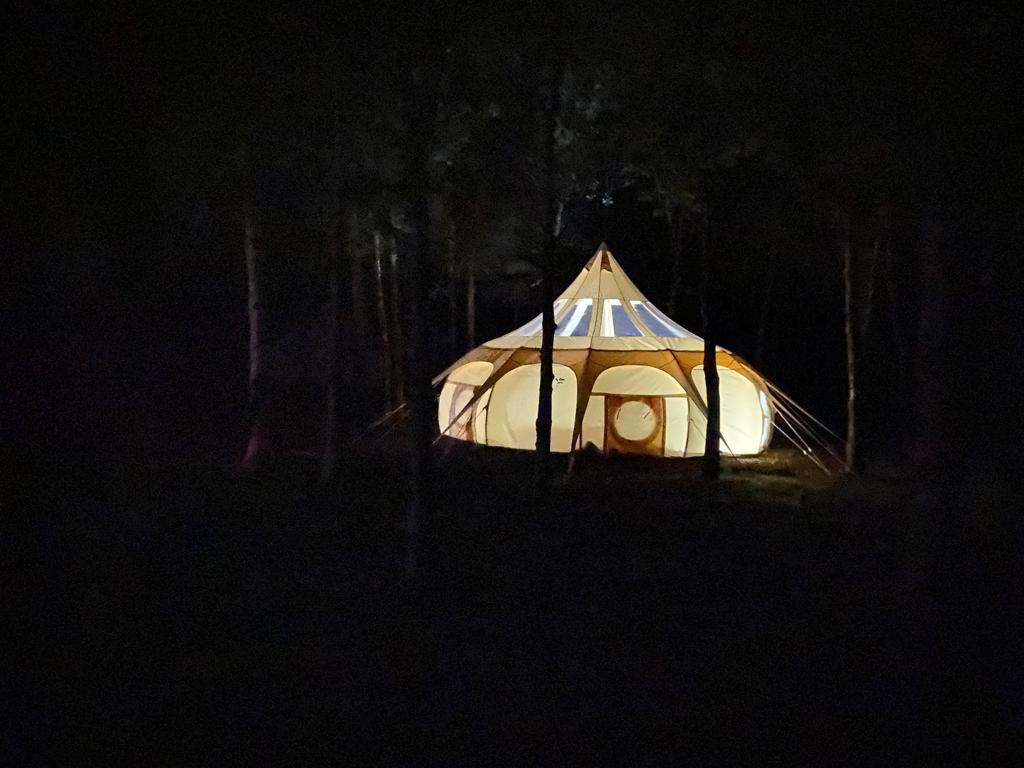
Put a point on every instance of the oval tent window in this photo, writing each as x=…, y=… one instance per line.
x=635, y=421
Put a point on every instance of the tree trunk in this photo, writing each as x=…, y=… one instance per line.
x=934, y=382
x=547, y=359
x=470, y=306
x=329, y=463
x=423, y=103
x=260, y=444
x=869, y=287
x=386, y=354
x=397, y=342
x=357, y=337
x=851, y=350
x=357, y=286
x=762, y=323
x=420, y=391
x=552, y=225
x=711, y=466
x=453, y=303
x=899, y=344
x=676, y=230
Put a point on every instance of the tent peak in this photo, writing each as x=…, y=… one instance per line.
x=603, y=309
x=602, y=256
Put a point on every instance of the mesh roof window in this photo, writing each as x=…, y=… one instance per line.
x=616, y=320
x=533, y=327
x=577, y=321
x=659, y=326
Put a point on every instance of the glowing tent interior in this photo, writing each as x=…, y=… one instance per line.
x=627, y=379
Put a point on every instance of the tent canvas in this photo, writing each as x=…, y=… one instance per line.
x=628, y=379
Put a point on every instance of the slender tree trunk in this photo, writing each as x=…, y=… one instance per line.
x=254, y=306
x=849, y=326
x=470, y=306
x=329, y=463
x=423, y=103
x=676, y=230
x=934, y=382
x=869, y=288
x=356, y=340
x=899, y=344
x=453, y=299
x=421, y=398
x=547, y=359
x=397, y=341
x=762, y=323
x=711, y=466
x=260, y=445
x=357, y=285
x=386, y=354
x=552, y=224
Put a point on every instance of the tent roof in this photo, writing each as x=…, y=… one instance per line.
x=603, y=309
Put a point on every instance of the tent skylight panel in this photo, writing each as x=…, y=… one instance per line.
x=658, y=322
x=534, y=327
x=654, y=323
x=615, y=320
x=577, y=321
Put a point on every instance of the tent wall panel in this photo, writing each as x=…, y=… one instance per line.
x=742, y=419
x=593, y=423
x=512, y=410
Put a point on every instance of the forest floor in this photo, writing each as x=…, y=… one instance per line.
x=189, y=615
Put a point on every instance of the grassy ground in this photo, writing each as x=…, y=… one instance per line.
x=188, y=615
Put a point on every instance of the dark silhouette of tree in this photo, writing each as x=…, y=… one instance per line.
x=552, y=225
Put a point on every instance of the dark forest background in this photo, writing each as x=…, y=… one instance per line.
x=134, y=136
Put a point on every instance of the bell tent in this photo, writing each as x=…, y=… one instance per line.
x=627, y=379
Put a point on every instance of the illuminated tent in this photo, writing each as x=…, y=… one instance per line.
x=627, y=379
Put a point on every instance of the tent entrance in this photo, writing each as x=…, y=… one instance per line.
x=634, y=424
x=651, y=425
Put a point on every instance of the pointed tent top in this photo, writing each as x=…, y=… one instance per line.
x=603, y=309
x=601, y=256
x=602, y=278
